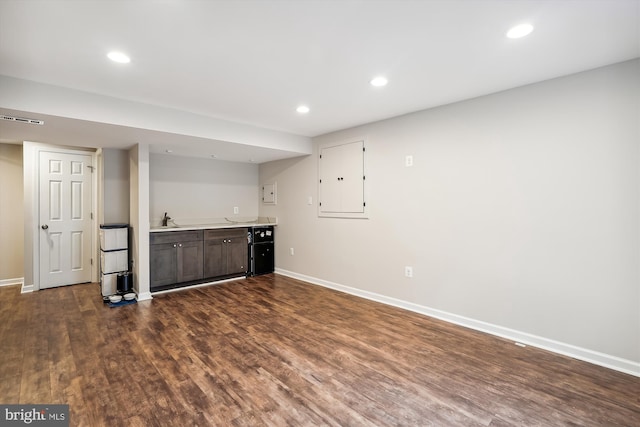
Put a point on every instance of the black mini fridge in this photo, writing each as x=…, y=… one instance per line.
x=261, y=258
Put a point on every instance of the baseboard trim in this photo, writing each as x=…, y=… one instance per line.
x=198, y=285
x=586, y=355
x=9, y=282
x=145, y=296
x=27, y=289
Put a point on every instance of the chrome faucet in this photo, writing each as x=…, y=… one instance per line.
x=165, y=220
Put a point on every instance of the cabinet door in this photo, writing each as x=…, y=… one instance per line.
x=330, y=173
x=263, y=258
x=352, y=178
x=341, y=187
x=163, y=264
x=189, y=261
x=214, y=257
x=237, y=256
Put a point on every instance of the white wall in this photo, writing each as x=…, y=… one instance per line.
x=522, y=210
x=195, y=190
x=11, y=214
x=115, y=186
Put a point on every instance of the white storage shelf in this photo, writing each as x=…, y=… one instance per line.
x=114, y=261
x=109, y=284
x=114, y=256
x=114, y=238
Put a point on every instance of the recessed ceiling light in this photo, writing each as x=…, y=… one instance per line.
x=303, y=109
x=379, y=81
x=119, y=57
x=519, y=31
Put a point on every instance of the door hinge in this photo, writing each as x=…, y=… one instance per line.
x=91, y=215
x=91, y=261
x=364, y=203
x=320, y=155
x=362, y=148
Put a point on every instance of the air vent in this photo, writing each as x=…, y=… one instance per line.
x=22, y=119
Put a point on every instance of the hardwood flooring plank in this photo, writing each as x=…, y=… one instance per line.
x=274, y=351
x=35, y=385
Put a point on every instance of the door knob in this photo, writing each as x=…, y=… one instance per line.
x=44, y=227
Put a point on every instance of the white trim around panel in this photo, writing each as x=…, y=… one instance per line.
x=343, y=197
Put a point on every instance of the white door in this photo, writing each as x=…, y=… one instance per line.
x=65, y=218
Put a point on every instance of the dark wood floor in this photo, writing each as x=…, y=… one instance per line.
x=275, y=351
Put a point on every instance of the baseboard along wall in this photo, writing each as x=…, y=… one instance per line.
x=9, y=282
x=521, y=338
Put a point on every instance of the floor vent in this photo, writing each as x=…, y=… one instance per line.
x=22, y=119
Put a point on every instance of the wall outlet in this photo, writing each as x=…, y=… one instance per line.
x=408, y=271
x=408, y=161
x=291, y=251
x=236, y=211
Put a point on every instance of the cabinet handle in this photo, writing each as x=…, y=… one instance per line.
x=224, y=241
x=175, y=246
x=229, y=241
x=180, y=245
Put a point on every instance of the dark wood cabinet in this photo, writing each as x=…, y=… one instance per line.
x=175, y=257
x=182, y=258
x=225, y=252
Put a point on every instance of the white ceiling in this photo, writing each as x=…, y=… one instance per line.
x=254, y=62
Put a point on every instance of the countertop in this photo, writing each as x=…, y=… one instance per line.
x=215, y=225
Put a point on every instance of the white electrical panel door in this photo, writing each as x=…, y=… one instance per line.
x=269, y=194
x=330, y=196
x=342, y=180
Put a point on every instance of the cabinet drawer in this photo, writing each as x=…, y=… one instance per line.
x=235, y=233
x=175, y=236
